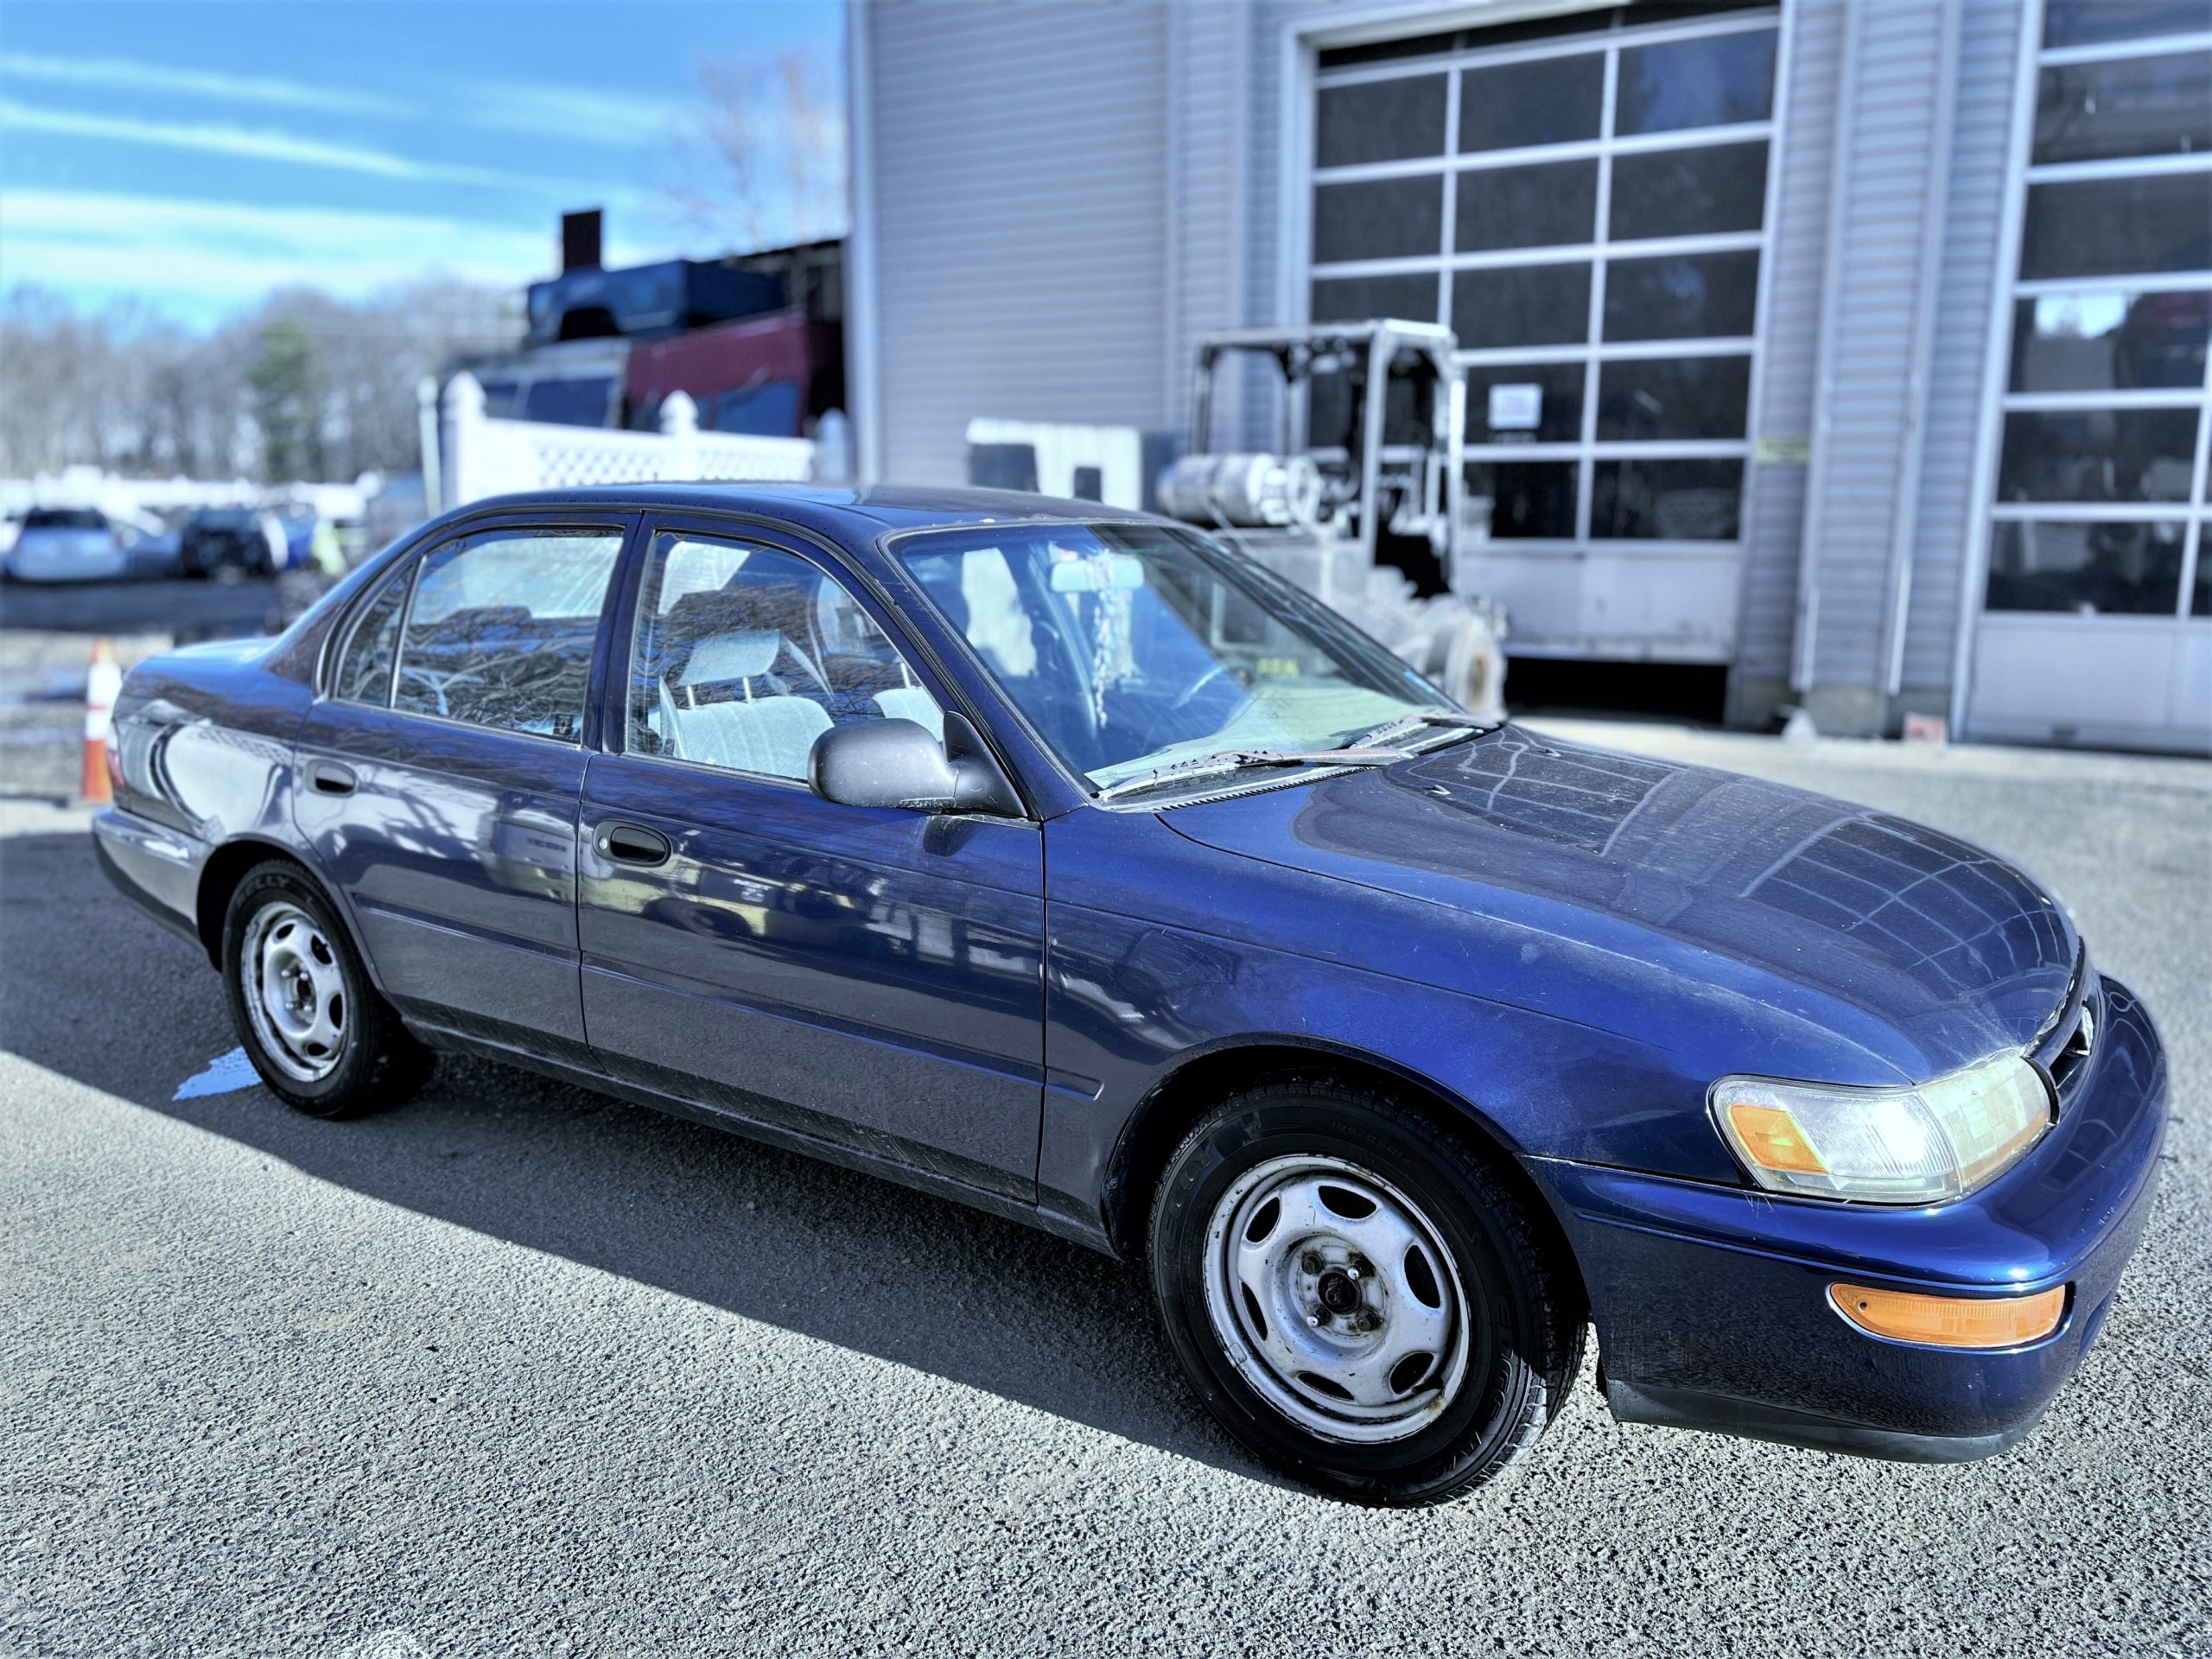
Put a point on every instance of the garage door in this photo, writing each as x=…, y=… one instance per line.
x=1587, y=211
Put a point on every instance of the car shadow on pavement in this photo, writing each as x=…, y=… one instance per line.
x=712, y=1217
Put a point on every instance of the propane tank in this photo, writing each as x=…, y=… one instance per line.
x=1246, y=491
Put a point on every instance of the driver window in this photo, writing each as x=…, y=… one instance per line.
x=744, y=655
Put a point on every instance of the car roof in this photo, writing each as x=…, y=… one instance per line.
x=869, y=513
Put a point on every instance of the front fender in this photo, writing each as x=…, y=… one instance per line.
x=1143, y=978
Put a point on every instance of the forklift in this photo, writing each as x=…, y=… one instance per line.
x=1359, y=502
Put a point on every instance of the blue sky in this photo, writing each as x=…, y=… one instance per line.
x=199, y=155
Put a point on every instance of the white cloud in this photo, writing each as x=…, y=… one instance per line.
x=234, y=253
x=124, y=74
x=262, y=143
x=205, y=259
x=579, y=114
x=571, y=112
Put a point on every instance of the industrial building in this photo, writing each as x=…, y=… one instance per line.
x=1853, y=352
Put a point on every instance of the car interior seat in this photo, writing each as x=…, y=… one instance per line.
x=748, y=732
x=908, y=701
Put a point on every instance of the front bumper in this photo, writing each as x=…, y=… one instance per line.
x=1712, y=1304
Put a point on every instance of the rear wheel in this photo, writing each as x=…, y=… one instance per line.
x=314, y=1026
x=1358, y=1295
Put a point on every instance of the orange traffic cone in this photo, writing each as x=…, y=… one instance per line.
x=102, y=683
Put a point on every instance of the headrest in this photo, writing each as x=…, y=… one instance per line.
x=736, y=656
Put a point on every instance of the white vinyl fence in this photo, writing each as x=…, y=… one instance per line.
x=484, y=456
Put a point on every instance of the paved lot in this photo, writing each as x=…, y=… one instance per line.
x=518, y=1369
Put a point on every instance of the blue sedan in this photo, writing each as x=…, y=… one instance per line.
x=1060, y=861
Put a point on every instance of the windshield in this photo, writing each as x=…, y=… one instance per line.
x=1133, y=646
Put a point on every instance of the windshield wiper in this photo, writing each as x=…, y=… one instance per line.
x=1405, y=723
x=1243, y=759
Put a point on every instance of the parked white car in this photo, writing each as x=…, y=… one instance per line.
x=67, y=544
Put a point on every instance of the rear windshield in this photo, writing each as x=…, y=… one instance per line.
x=63, y=518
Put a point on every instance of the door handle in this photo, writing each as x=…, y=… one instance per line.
x=633, y=843
x=328, y=778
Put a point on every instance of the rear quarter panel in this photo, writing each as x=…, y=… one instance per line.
x=204, y=745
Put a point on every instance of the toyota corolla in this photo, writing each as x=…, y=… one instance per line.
x=1060, y=861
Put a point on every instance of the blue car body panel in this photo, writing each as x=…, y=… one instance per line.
x=869, y=975
x=456, y=852
x=1564, y=945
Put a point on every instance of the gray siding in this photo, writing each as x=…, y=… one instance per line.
x=1789, y=357
x=1211, y=120
x=1887, y=207
x=1974, y=267
x=1020, y=161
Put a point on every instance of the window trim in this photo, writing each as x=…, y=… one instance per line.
x=616, y=728
x=349, y=633
x=1621, y=34
x=2144, y=46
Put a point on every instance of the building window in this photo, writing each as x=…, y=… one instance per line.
x=1586, y=210
x=2099, y=496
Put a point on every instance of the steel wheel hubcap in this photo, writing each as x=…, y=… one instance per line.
x=295, y=995
x=1334, y=1297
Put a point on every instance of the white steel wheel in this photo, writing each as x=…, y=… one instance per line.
x=1333, y=1296
x=294, y=992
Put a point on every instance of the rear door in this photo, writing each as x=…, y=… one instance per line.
x=440, y=774
x=870, y=977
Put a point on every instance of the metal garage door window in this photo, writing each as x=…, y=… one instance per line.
x=1587, y=212
x=2096, y=554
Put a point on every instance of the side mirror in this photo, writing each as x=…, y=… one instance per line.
x=897, y=763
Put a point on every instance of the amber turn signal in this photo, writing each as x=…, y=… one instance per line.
x=1951, y=1321
x=1772, y=1138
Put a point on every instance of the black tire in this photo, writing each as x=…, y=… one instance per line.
x=1525, y=1319
x=374, y=1063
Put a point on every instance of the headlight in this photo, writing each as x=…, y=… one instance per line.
x=1940, y=1140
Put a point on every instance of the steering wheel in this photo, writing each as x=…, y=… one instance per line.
x=1189, y=694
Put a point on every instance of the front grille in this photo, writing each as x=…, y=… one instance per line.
x=2068, y=1053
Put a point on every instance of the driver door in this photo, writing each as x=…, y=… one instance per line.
x=866, y=976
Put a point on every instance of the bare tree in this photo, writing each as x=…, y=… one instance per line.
x=306, y=385
x=762, y=160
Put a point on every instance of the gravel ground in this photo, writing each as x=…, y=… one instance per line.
x=521, y=1370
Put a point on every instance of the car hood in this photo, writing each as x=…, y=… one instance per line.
x=1918, y=931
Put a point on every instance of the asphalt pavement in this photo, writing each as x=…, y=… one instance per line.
x=517, y=1369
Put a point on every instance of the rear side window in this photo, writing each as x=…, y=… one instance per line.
x=501, y=631
x=364, y=674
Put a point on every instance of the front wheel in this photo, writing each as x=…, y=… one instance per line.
x=314, y=1027
x=1358, y=1295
